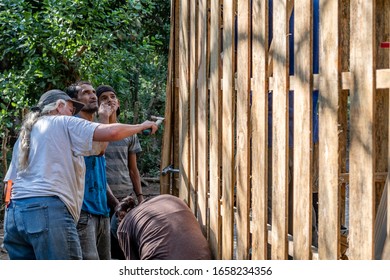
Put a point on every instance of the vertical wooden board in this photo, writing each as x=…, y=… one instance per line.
x=303, y=144
x=243, y=127
x=362, y=192
x=329, y=90
x=386, y=246
x=382, y=95
x=215, y=194
x=228, y=129
x=343, y=113
x=381, y=234
x=343, y=116
x=166, y=151
x=387, y=185
x=259, y=113
x=202, y=164
x=175, y=178
x=184, y=90
x=280, y=131
x=193, y=188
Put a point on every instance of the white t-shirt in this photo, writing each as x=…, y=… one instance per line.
x=56, y=165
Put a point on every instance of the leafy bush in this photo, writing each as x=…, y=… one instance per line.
x=53, y=43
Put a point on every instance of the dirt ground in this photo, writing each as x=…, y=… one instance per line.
x=149, y=190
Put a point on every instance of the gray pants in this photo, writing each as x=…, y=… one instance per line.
x=94, y=234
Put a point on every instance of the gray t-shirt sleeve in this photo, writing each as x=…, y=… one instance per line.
x=134, y=145
x=81, y=137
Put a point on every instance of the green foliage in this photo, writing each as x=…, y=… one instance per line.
x=52, y=43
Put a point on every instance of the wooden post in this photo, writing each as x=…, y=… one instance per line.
x=202, y=124
x=363, y=87
x=343, y=112
x=193, y=187
x=260, y=130
x=215, y=171
x=184, y=101
x=329, y=90
x=382, y=33
x=175, y=178
x=228, y=129
x=243, y=128
x=166, y=151
x=280, y=107
x=303, y=143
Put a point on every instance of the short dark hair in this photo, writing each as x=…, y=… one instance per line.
x=126, y=204
x=74, y=89
x=104, y=88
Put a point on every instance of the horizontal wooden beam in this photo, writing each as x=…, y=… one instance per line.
x=382, y=80
x=379, y=177
x=290, y=245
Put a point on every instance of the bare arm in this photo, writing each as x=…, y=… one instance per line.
x=118, y=131
x=111, y=199
x=105, y=111
x=135, y=176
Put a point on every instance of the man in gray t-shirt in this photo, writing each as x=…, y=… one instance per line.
x=48, y=187
x=121, y=164
x=121, y=168
x=121, y=156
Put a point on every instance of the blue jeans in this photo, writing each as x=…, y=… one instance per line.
x=94, y=234
x=114, y=226
x=116, y=250
x=40, y=228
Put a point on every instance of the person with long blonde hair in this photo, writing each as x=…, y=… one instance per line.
x=48, y=190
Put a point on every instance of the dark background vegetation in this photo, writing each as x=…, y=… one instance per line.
x=48, y=44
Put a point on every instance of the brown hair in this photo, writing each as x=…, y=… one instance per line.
x=126, y=204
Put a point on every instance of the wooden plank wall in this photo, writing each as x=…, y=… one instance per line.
x=303, y=144
x=223, y=65
x=362, y=148
x=243, y=128
x=184, y=98
x=280, y=128
x=382, y=34
x=201, y=118
x=228, y=115
x=192, y=104
x=343, y=119
x=259, y=129
x=329, y=88
x=214, y=126
x=166, y=153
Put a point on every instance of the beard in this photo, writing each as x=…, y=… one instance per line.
x=89, y=109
